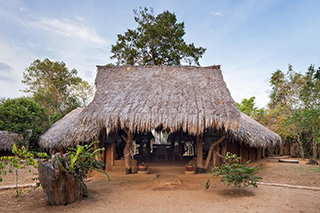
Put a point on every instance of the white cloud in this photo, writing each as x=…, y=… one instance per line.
x=69, y=29
x=63, y=27
x=219, y=13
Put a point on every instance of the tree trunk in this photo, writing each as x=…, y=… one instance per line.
x=60, y=187
x=199, y=166
x=128, y=152
x=300, y=147
x=314, y=149
x=212, y=146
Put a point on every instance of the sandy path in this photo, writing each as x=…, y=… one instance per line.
x=144, y=193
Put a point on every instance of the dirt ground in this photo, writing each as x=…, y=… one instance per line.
x=168, y=189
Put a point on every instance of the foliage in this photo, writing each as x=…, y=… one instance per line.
x=142, y=164
x=83, y=159
x=247, y=106
x=157, y=40
x=235, y=174
x=22, y=114
x=294, y=108
x=83, y=91
x=52, y=83
x=20, y=160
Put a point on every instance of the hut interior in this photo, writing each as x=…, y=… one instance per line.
x=179, y=146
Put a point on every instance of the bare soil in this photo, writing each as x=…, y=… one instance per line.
x=168, y=189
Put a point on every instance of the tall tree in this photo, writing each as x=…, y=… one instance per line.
x=309, y=112
x=284, y=101
x=51, y=83
x=294, y=108
x=157, y=40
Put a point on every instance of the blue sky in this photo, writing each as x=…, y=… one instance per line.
x=249, y=39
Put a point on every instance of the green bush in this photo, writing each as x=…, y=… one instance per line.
x=235, y=174
x=21, y=114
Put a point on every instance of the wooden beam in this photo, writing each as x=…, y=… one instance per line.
x=126, y=130
x=124, y=138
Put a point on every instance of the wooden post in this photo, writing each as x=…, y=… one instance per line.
x=62, y=151
x=224, y=151
x=199, y=165
x=110, y=149
x=96, y=146
x=259, y=154
x=244, y=153
x=212, y=146
x=128, y=151
x=53, y=151
x=252, y=154
x=215, y=156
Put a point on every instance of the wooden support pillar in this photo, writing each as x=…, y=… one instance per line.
x=211, y=148
x=224, y=151
x=252, y=154
x=259, y=153
x=53, y=151
x=199, y=165
x=215, y=156
x=244, y=153
x=96, y=146
x=62, y=151
x=110, y=156
x=128, y=150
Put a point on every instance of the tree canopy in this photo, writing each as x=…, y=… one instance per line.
x=55, y=87
x=293, y=110
x=22, y=114
x=247, y=106
x=157, y=40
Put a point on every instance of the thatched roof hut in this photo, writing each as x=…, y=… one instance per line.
x=7, y=139
x=67, y=132
x=254, y=134
x=145, y=97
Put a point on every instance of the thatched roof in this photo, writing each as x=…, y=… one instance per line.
x=256, y=135
x=145, y=97
x=7, y=139
x=67, y=132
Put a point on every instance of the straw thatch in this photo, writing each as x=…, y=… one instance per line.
x=145, y=97
x=256, y=135
x=7, y=139
x=67, y=132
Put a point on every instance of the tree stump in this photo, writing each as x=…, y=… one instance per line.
x=60, y=187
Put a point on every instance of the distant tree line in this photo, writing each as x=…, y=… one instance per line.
x=293, y=110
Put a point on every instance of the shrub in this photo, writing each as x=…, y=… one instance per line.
x=21, y=160
x=235, y=174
